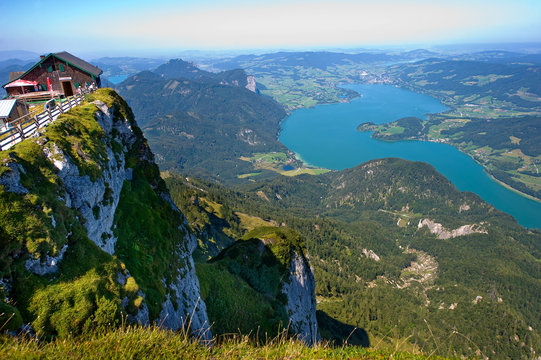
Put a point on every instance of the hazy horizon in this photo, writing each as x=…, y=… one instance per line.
x=166, y=27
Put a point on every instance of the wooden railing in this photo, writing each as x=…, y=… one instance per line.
x=27, y=125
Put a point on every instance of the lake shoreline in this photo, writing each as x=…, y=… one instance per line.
x=530, y=197
x=499, y=182
x=451, y=108
x=326, y=137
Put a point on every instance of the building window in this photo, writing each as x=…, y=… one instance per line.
x=61, y=67
x=49, y=68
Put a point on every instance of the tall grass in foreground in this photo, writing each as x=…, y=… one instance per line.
x=156, y=343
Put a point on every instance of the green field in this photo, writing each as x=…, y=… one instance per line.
x=275, y=161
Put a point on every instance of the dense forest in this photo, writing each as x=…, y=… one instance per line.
x=377, y=270
x=202, y=123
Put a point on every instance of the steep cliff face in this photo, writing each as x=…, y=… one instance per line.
x=250, y=83
x=88, y=224
x=97, y=200
x=185, y=308
x=301, y=299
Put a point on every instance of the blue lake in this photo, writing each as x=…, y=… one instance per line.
x=117, y=79
x=326, y=136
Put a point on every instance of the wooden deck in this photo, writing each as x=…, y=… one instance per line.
x=39, y=95
x=27, y=125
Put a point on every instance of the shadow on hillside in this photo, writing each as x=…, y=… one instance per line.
x=338, y=332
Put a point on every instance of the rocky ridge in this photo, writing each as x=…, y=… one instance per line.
x=93, y=193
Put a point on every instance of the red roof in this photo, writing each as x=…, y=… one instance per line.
x=21, y=83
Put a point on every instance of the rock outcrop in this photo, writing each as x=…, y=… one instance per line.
x=186, y=309
x=12, y=179
x=97, y=200
x=251, y=84
x=370, y=254
x=301, y=300
x=275, y=283
x=49, y=266
x=442, y=233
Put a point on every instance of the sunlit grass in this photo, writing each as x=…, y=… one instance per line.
x=155, y=343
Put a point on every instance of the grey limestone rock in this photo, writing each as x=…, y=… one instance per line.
x=96, y=200
x=190, y=311
x=250, y=83
x=443, y=233
x=301, y=299
x=12, y=179
x=49, y=266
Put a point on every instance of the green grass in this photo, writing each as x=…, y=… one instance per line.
x=83, y=295
x=83, y=307
x=282, y=241
x=155, y=343
x=250, y=222
x=275, y=161
x=232, y=305
x=244, y=176
x=393, y=130
x=147, y=231
x=267, y=157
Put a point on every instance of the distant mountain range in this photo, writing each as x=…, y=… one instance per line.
x=18, y=54
x=505, y=57
x=125, y=65
x=201, y=122
x=320, y=60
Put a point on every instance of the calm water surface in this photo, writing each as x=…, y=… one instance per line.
x=325, y=136
x=117, y=79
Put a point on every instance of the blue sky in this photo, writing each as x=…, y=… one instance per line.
x=126, y=26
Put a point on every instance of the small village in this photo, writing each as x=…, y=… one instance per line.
x=35, y=97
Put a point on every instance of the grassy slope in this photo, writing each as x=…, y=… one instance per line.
x=153, y=343
x=85, y=284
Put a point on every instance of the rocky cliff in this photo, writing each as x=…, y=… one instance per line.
x=301, y=300
x=251, y=83
x=89, y=230
x=443, y=233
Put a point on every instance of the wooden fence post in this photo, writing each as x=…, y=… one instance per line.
x=50, y=115
x=20, y=130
